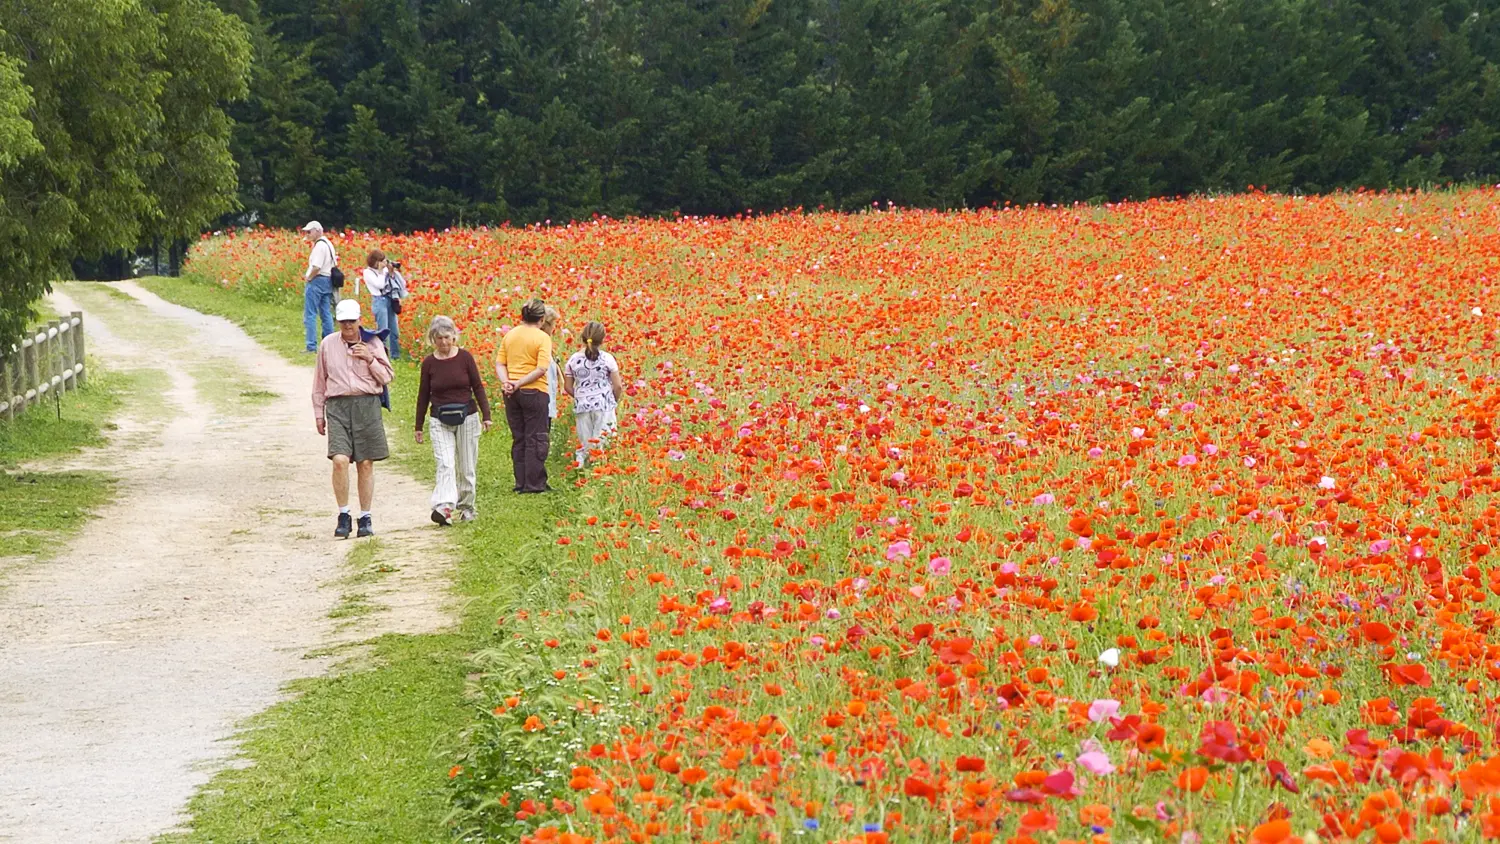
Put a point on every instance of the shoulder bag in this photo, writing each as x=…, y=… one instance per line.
x=336, y=275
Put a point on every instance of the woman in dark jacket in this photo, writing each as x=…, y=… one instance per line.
x=451, y=386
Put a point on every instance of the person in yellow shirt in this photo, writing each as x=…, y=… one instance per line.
x=524, y=363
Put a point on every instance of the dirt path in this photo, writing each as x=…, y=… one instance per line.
x=126, y=661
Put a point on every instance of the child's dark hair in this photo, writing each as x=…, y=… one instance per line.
x=593, y=338
x=533, y=311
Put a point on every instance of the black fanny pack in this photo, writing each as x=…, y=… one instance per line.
x=452, y=415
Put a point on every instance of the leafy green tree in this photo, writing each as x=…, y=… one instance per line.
x=205, y=56
x=77, y=183
x=92, y=155
x=21, y=283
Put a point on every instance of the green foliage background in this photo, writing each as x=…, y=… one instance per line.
x=428, y=113
x=111, y=132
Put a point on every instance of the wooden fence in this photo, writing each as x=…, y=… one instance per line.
x=48, y=361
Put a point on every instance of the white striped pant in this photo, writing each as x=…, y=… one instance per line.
x=456, y=451
x=594, y=428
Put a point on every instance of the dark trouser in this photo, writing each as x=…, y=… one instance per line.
x=526, y=414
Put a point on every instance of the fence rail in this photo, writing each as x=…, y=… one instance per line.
x=48, y=361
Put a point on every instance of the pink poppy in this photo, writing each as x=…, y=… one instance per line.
x=1096, y=762
x=1103, y=709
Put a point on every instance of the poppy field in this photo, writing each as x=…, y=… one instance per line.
x=1159, y=521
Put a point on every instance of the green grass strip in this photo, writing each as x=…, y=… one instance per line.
x=80, y=420
x=40, y=508
x=356, y=757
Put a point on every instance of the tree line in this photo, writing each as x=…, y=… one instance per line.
x=428, y=113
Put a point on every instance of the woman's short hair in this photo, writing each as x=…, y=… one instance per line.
x=375, y=257
x=534, y=311
x=441, y=326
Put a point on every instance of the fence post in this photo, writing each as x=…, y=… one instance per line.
x=20, y=375
x=39, y=359
x=65, y=353
x=28, y=371
x=8, y=381
x=45, y=356
x=78, y=350
x=54, y=355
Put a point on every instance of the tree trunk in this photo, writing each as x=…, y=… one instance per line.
x=267, y=182
x=112, y=266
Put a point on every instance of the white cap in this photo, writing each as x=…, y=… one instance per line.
x=313, y=225
x=347, y=309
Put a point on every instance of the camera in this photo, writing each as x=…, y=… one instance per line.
x=396, y=264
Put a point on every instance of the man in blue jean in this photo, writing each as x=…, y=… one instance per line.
x=317, y=298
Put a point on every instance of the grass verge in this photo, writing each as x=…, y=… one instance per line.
x=352, y=757
x=40, y=508
x=364, y=755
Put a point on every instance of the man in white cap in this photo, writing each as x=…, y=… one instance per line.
x=347, y=383
x=317, y=296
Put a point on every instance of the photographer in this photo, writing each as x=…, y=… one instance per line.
x=387, y=287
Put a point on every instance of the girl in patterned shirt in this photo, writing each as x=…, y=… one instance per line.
x=592, y=378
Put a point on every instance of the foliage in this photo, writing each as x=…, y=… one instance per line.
x=110, y=129
x=393, y=114
x=1161, y=520
x=208, y=54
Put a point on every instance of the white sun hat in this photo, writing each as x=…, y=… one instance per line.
x=313, y=225
x=347, y=309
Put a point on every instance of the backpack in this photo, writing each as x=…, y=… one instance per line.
x=395, y=289
x=369, y=336
x=336, y=275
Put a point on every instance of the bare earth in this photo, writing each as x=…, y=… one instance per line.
x=127, y=660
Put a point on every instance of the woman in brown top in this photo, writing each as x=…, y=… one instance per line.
x=451, y=386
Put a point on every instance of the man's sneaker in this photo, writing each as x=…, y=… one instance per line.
x=346, y=526
x=441, y=516
x=366, y=526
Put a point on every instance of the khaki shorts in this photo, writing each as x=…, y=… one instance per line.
x=355, y=428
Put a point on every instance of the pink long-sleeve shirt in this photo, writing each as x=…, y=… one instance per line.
x=340, y=373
